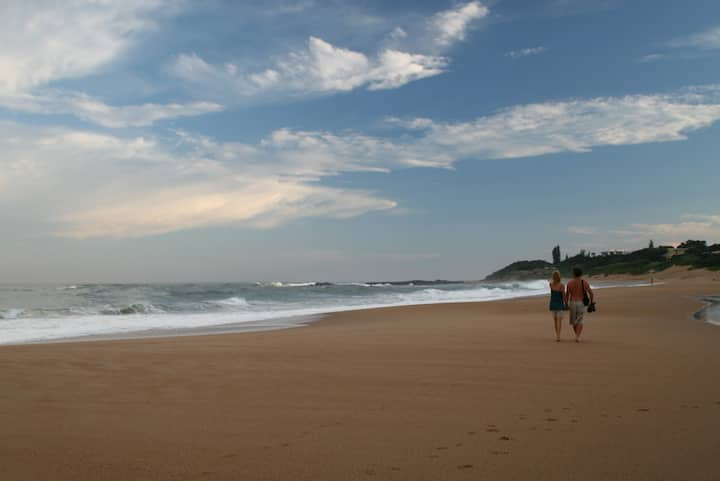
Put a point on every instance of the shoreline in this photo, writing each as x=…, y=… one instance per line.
x=446, y=391
x=290, y=321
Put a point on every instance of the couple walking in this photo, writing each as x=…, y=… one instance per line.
x=573, y=297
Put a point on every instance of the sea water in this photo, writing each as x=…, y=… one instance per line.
x=55, y=312
x=711, y=312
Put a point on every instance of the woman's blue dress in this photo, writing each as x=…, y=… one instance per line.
x=556, y=301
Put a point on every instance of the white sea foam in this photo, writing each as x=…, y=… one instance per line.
x=11, y=313
x=231, y=302
x=144, y=317
x=269, y=306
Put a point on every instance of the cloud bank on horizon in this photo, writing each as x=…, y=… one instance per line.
x=83, y=163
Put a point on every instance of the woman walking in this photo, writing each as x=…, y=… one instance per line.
x=557, y=302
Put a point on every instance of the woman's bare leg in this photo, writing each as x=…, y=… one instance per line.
x=558, y=325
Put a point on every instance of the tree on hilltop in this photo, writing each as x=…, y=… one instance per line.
x=556, y=255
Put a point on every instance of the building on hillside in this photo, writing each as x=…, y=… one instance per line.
x=614, y=252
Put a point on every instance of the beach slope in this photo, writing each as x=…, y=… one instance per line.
x=440, y=392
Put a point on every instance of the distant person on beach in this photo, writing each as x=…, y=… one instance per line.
x=576, y=289
x=557, y=302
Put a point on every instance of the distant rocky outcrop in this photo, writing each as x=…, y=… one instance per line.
x=693, y=254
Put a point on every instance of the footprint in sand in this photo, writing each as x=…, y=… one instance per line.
x=500, y=453
x=550, y=420
x=285, y=445
x=504, y=438
x=465, y=466
x=394, y=468
x=492, y=430
x=643, y=410
x=441, y=448
x=471, y=433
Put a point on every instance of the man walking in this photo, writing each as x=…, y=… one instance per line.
x=574, y=294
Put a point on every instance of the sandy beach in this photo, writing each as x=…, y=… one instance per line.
x=440, y=392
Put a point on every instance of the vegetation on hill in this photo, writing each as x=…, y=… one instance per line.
x=694, y=254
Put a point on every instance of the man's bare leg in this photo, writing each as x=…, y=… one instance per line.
x=578, y=330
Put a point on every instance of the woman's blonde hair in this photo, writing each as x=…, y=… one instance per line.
x=556, y=277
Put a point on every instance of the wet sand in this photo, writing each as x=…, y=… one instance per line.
x=444, y=392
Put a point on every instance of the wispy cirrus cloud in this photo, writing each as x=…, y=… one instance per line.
x=708, y=39
x=87, y=184
x=652, y=57
x=45, y=42
x=320, y=67
x=525, y=52
x=634, y=235
x=451, y=26
x=83, y=106
x=703, y=227
x=573, y=126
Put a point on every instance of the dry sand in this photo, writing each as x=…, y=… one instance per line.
x=445, y=392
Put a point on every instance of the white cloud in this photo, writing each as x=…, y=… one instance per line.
x=320, y=67
x=672, y=233
x=451, y=26
x=255, y=202
x=43, y=41
x=653, y=57
x=524, y=52
x=84, y=184
x=94, y=110
x=708, y=39
x=575, y=126
x=701, y=227
x=398, y=33
x=91, y=184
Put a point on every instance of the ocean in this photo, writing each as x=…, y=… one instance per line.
x=711, y=312
x=54, y=312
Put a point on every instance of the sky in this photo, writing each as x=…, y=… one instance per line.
x=174, y=141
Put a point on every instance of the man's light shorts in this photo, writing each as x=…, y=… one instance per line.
x=577, y=312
